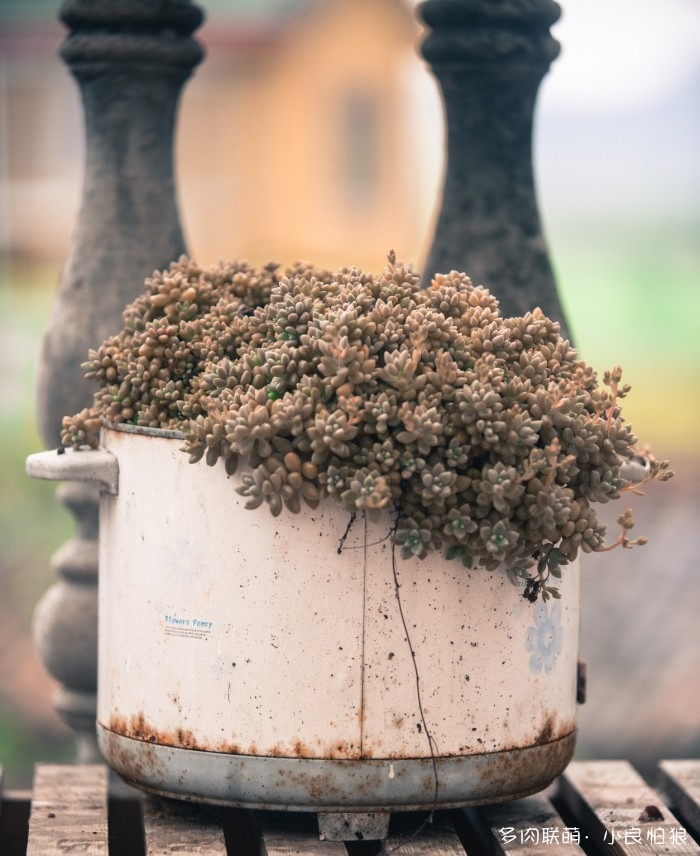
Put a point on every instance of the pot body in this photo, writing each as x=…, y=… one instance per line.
x=264, y=662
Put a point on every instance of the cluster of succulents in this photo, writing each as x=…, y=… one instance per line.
x=483, y=434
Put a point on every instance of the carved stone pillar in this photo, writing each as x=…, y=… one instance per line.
x=489, y=57
x=130, y=59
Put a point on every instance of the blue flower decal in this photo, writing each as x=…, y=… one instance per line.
x=545, y=639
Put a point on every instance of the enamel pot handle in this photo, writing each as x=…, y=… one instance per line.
x=93, y=465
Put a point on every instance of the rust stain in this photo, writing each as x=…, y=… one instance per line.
x=546, y=734
x=340, y=750
x=322, y=788
x=300, y=750
x=227, y=748
x=506, y=774
x=343, y=751
x=137, y=727
x=138, y=766
x=558, y=754
x=552, y=730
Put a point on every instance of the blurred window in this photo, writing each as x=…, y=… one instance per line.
x=359, y=154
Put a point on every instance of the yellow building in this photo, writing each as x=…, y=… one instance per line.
x=300, y=136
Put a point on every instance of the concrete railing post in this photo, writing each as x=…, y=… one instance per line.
x=130, y=59
x=489, y=57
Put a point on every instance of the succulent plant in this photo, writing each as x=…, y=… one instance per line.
x=483, y=434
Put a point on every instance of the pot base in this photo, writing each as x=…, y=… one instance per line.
x=339, y=786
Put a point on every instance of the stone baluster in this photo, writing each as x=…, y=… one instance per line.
x=489, y=57
x=130, y=59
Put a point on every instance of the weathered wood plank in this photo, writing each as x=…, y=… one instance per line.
x=276, y=842
x=171, y=826
x=680, y=783
x=290, y=833
x=624, y=816
x=69, y=810
x=436, y=838
x=526, y=827
x=295, y=835
x=608, y=799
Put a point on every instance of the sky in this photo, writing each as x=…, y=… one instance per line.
x=621, y=54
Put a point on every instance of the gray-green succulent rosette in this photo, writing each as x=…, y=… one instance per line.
x=484, y=435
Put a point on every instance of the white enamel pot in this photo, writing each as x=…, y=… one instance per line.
x=253, y=661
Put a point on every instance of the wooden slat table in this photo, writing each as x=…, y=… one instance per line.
x=596, y=807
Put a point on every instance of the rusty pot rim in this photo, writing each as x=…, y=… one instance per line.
x=125, y=428
x=326, y=784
